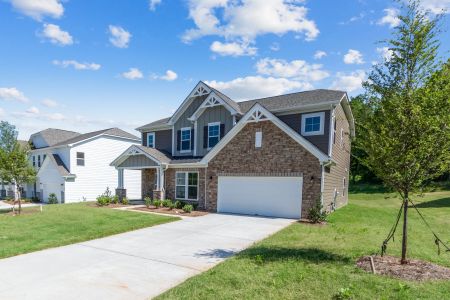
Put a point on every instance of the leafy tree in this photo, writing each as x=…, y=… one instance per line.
x=14, y=164
x=407, y=134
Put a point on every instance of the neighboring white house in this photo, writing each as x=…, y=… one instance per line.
x=76, y=167
x=7, y=190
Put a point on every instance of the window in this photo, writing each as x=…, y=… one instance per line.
x=44, y=157
x=186, y=186
x=258, y=139
x=334, y=130
x=342, y=138
x=39, y=161
x=80, y=158
x=34, y=161
x=213, y=134
x=185, y=139
x=344, y=186
x=312, y=124
x=151, y=140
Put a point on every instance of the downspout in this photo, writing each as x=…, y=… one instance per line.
x=322, y=185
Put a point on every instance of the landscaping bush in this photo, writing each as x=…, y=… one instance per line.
x=103, y=200
x=171, y=205
x=316, y=215
x=195, y=205
x=178, y=204
x=148, y=201
x=157, y=203
x=166, y=203
x=52, y=199
x=115, y=199
x=188, y=208
x=125, y=201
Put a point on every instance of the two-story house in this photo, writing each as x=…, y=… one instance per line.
x=76, y=167
x=276, y=156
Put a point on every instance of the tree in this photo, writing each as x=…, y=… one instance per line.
x=14, y=165
x=407, y=134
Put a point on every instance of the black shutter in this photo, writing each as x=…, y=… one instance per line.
x=192, y=138
x=178, y=140
x=205, y=137
x=222, y=130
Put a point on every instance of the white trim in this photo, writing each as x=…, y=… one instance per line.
x=154, y=139
x=190, y=140
x=313, y=115
x=132, y=150
x=211, y=101
x=345, y=103
x=342, y=138
x=322, y=185
x=186, y=185
x=213, y=124
x=173, y=140
x=196, y=91
x=258, y=139
x=331, y=135
x=195, y=139
x=269, y=117
x=344, y=186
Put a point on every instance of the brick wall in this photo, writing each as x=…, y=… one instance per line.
x=341, y=155
x=170, y=184
x=148, y=182
x=279, y=154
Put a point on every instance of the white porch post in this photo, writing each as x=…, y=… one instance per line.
x=158, y=179
x=120, y=179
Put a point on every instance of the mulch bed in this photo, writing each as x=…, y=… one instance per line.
x=175, y=211
x=417, y=270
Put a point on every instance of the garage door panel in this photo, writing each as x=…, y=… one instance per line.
x=265, y=196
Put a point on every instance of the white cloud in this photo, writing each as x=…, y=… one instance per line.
x=2, y=112
x=169, y=76
x=246, y=20
x=251, y=87
x=385, y=53
x=132, y=74
x=119, y=36
x=37, y=9
x=436, y=6
x=153, y=4
x=232, y=49
x=348, y=82
x=390, y=18
x=49, y=103
x=297, y=69
x=56, y=117
x=319, y=54
x=353, y=57
x=12, y=94
x=77, y=65
x=56, y=35
x=33, y=110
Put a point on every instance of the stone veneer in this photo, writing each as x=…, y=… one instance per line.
x=279, y=155
x=148, y=182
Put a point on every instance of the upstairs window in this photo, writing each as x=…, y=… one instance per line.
x=185, y=139
x=342, y=138
x=151, y=140
x=34, y=161
x=213, y=134
x=39, y=161
x=313, y=124
x=80, y=158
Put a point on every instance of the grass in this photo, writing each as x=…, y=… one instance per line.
x=60, y=225
x=318, y=262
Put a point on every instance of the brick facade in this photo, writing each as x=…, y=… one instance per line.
x=148, y=182
x=170, y=184
x=279, y=154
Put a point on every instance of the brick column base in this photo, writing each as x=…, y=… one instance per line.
x=158, y=195
x=121, y=193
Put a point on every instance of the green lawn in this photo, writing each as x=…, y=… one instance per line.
x=66, y=224
x=316, y=262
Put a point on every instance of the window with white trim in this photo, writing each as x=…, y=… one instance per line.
x=151, y=140
x=39, y=161
x=258, y=139
x=186, y=187
x=342, y=138
x=185, y=139
x=313, y=124
x=34, y=161
x=80, y=158
x=344, y=186
x=334, y=130
x=213, y=134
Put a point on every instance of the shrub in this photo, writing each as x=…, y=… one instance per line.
x=316, y=214
x=115, y=199
x=343, y=294
x=188, y=208
x=103, y=200
x=178, y=204
x=157, y=203
x=171, y=205
x=52, y=199
x=125, y=201
x=166, y=203
x=195, y=205
x=148, y=201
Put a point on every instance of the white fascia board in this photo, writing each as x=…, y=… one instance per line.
x=122, y=157
x=268, y=117
x=156, y=128
x=103, y=135
x=187, y=165
x=345, y=102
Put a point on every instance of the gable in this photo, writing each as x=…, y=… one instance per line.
x=137, y=161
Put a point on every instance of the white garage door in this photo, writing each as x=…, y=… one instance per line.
x=264, y=196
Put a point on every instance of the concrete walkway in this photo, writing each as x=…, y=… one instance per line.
x=135, y=265
x=6, y=206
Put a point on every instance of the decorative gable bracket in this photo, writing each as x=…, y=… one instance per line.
x=257, y=116
x=211, y=101
x=200, y=90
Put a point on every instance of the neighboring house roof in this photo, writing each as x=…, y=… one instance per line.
x=155, y=124
x=110, y=131
x=295, y=100
x=56, y=160
x=23, y=144
x=54, y=136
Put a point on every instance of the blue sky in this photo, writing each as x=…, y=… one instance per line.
x=88, y=65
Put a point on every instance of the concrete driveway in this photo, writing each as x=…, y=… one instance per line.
x=134, y=265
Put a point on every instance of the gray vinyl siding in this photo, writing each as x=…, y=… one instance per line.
x=184, y=122
x=163, y=140
x=137, y=161
x=320, y=141
x=211, y=115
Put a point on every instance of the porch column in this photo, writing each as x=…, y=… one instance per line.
x=120, y=179
x=159, y=192
x=121, y=192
